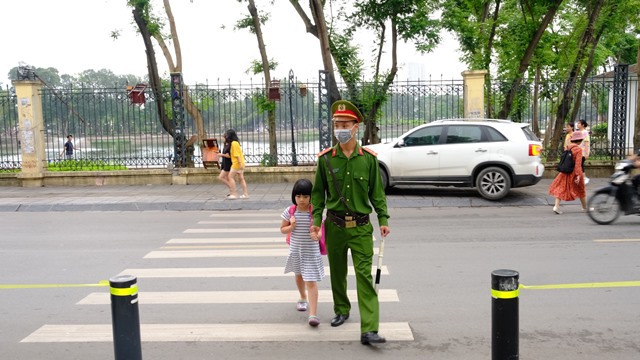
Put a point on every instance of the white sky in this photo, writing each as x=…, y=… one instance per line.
x=74, y=35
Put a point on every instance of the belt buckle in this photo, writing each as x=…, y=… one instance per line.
x=349, y=222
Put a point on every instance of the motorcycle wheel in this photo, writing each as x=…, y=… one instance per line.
x=603, y=209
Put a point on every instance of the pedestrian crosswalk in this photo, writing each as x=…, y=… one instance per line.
x=226, y=242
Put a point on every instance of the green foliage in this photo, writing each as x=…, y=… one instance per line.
x=84, y=165
x=257, y=68
x=263, y=103
x=268, y=160
x=599, y=131
x=247, y=23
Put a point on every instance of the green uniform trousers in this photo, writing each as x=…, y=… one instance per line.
x=360, y=240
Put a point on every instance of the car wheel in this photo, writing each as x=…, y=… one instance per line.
x=493, y=183
x=384, y=177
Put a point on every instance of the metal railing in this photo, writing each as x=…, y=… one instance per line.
x=111, y=130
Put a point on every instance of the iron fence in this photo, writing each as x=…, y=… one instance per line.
x=596, y=99
x=9, y=136
x=110, y=129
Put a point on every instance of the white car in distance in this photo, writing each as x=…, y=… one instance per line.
x=493, y=156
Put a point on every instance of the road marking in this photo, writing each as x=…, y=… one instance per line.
x=221, y=272
x=235, y=246
x=269, y=230
x=616, y=240
x=245, y=214
x=227, y=240
x=393, y=331
x=183, y=254
x=275, y=223
x=228, y=297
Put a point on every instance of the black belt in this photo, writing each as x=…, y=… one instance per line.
x=348, y=221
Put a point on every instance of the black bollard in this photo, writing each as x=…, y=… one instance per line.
x=125, y=317
x=504, y=315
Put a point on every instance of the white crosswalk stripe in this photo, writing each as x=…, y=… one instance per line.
x=221, y=272
x=228, y=297
x=225, y=236
x=393, y=331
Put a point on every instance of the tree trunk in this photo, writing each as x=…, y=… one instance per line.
x=526, y=59
x=371, y=135
x=566, y=98
x=190, y=106
x=535, y=126
x=152, y=65
x=636, y=135
x=271, y=117
x=325, y=48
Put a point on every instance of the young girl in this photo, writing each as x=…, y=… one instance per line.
x=304, y=258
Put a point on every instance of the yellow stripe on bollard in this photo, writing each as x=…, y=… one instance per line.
x=130, y=291
x=497, y=294
x=47, y=286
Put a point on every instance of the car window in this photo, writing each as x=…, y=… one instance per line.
x=495, y=135
x=429, y=135
x=529, y=134
x=461, y=134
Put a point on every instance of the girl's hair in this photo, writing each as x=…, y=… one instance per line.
x=301, y=187
x=232, y=136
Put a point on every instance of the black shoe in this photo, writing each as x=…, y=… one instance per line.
x=339, y=320
x=372, y=338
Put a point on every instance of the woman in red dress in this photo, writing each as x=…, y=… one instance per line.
x=569, y=187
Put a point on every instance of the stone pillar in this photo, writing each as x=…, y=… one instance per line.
x=474, y=93
x=31, y=132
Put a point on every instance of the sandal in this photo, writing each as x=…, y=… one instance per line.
x=301, y=305
x=314, y=321
x=231, y=197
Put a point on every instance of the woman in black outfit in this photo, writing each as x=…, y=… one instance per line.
x=225, y=162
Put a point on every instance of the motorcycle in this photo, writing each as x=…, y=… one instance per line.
x=606, y=204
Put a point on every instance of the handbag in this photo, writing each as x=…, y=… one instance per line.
x=322, y=242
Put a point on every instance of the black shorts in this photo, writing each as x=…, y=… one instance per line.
x=225, y=164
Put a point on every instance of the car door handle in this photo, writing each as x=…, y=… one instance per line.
x=431, y=152
x=481, y=150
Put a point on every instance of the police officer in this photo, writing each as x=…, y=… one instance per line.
x=350, y=195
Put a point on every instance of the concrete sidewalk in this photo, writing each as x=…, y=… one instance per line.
x=263, y=196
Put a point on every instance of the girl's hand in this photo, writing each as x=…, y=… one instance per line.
x=293, y=222
x=314, y=233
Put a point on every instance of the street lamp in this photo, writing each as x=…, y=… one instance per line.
x=292, y=89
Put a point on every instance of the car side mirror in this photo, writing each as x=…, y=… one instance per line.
x=400, y=143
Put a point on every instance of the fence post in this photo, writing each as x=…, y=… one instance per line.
x=473, y=94
x=31, y=130
x=125, y=317
x=504, y=315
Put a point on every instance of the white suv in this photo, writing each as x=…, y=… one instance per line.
x=491, y=155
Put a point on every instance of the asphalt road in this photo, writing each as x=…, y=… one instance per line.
x=439, y=261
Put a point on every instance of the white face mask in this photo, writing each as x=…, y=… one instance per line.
x=343, y=135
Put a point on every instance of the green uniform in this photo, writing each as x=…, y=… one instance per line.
x=359, y=180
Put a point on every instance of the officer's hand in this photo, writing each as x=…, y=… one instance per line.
x=384, y=231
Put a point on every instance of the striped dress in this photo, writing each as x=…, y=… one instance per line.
x=304, y=254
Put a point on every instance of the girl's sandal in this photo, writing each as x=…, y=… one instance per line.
x=301, y=305
x=314, y=321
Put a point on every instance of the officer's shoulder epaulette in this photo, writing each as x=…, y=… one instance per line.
x=324, y=151
x=370, y=151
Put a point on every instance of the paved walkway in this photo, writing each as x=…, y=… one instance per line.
x=263, y=196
